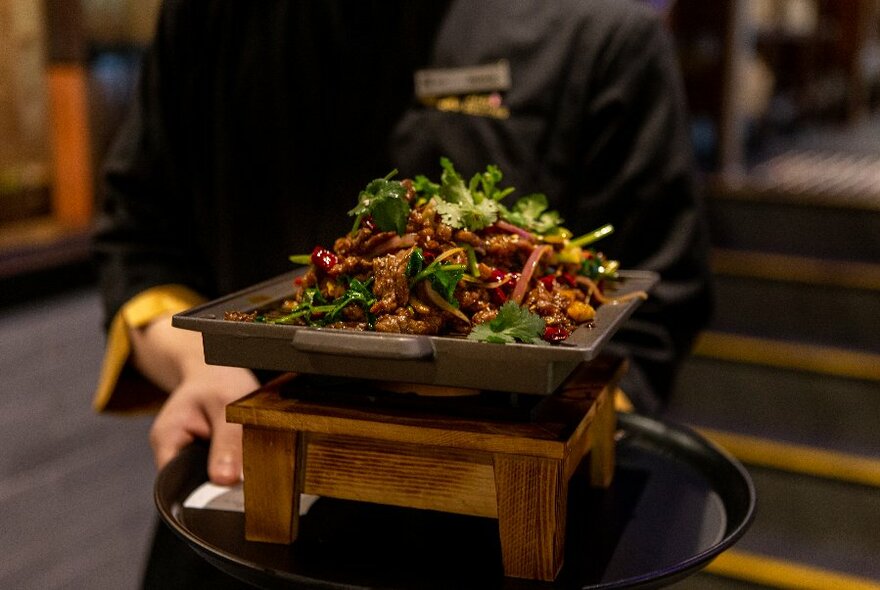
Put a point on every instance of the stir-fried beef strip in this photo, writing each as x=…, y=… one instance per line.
x=390, y=284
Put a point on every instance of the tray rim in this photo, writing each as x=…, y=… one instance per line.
x=689, y=440
x=203, y=318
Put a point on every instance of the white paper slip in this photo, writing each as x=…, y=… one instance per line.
x=231, y=498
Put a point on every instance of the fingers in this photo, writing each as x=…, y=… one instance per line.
x=176, y=426
x=197, y=410
x=165, y=449
x=182, y=420
x=224, y=459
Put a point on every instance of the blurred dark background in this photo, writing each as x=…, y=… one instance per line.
x=785, y=103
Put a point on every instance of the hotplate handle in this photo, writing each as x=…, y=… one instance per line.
x=364, y=344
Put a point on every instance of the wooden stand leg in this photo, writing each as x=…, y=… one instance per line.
x=532, y=496
x=272, y=484
x=602, y=449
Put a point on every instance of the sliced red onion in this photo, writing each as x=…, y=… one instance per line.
x=509, y=227
x=528, y=270
x=393, y=243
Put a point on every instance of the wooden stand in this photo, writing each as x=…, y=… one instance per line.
x=514, y=466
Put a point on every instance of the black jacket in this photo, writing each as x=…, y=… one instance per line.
x=256, y=124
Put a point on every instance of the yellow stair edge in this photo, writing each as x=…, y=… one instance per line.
x=798, y=269
x=826, y=360
x=779, y=573
x=802, y=459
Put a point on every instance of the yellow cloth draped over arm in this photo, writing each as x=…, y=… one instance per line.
x=120, y=387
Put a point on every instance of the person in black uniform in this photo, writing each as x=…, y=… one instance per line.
x=255, y=126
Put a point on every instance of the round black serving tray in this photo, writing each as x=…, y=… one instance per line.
x=676, y=502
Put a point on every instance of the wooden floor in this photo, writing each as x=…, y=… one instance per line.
x=76, y=505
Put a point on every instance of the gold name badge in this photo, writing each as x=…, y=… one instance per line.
x=479, y=105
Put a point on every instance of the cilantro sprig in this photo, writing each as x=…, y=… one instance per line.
x=530, y=213
x=385, y=200
x=596, y=267
x=513, y=323
x=443, y=277
x=471, y=206
x=477, y=204
x=315, y=310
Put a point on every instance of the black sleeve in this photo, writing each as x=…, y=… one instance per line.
x=144, y=232
x=637, y=170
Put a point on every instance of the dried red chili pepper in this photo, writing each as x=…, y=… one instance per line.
x=547, y=281
x=323, y=258
x=567, y=278
x=555, y=334
x=496, y=275
x=498, y=296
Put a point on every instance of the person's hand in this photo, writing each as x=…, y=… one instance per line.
x=196, y=405
x=197, y=409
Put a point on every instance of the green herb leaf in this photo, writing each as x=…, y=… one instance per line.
x=530, y=213
x=452, y=187
x=313, y=297
x=513, y=323
x=385, y=200
x=416, y=262
x=358, y=292
x=462, y=206
x=315, y=310
x=489, y=182
x=443, y=277
x=444, y=280
x=391, y=214
x=423, y=186
x=596, y=267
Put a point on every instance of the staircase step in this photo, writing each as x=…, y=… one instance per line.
x=788, y=378
x=800, y=459
x=789, y=405
x=846, y=174
x=797, y=269
x=707, y=580
x=762, y=222
x=759, y=571
x=827, y=315
x=824, y=360
x=823, y=525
